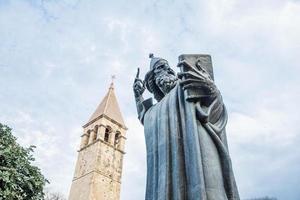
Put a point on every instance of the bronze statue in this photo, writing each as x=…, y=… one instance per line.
x=187, y=152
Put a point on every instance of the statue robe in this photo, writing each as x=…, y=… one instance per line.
x=187, y=159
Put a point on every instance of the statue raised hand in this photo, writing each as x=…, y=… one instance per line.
x=138, y=85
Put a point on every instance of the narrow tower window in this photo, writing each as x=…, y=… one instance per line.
x=107, y=133
x=117, y=138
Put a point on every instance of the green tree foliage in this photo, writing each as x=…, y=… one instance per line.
x=19, y=179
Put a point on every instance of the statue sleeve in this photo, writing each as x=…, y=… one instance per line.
x=142, y=107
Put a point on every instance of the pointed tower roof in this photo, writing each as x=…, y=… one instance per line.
x=108, y=107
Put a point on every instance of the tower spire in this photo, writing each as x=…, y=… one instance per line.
x=109, y=107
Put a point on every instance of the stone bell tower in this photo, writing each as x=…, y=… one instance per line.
x=99, y=165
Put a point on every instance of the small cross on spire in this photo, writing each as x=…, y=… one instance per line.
x=113, y=77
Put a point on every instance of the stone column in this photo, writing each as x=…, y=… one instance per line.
x=92, y=135
x=101, y=132
x=121, y=144
x=84, y=140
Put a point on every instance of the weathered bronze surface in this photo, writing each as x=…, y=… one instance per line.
x=187, y=152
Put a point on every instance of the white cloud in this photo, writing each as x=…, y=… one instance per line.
x=264, y=144
x=134, y=170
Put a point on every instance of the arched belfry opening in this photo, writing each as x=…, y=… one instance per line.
x=107, y=133
x=117, y=138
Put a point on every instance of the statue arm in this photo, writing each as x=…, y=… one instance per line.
x=199, y=87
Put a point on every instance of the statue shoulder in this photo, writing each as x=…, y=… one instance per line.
x=148, y=103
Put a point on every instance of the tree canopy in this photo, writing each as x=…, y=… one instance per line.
x=19, y=179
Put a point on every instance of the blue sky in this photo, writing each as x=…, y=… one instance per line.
x=56, y=59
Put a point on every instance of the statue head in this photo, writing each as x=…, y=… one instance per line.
x=161, y=79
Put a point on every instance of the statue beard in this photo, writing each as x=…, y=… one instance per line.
x=166, y=81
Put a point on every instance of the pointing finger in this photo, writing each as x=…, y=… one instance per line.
x=138, y=73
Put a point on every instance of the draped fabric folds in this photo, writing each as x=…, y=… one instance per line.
x=187, y=158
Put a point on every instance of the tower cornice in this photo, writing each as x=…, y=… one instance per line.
x=108, y=118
